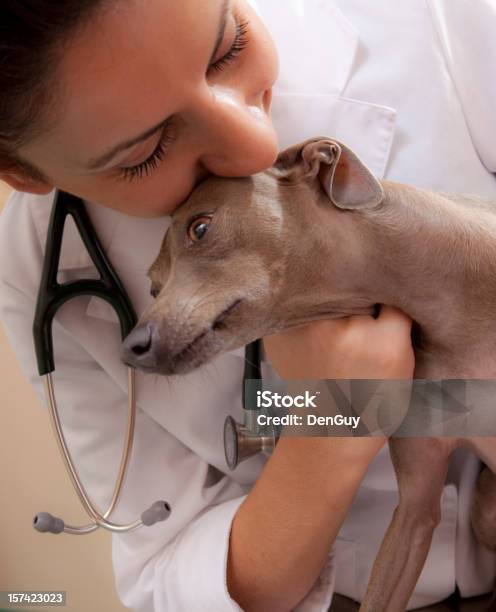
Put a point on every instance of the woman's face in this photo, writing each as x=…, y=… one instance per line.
x=157, y=95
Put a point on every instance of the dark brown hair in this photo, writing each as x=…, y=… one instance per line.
x=33, y=34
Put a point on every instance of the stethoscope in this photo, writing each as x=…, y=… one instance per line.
x=241, y=440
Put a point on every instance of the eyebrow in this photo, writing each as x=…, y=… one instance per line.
x=104, y=159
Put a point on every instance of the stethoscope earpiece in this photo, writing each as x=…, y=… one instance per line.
x=45, y=522
x=159, y=511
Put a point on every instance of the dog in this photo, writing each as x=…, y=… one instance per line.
x=318, y=236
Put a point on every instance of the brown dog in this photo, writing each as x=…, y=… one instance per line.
x=318, y=236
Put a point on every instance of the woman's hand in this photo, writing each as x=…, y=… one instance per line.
x=352, y=347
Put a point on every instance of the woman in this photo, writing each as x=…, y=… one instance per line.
x=129, y=105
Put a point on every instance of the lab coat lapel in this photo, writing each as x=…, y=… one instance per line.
x=318, y=47
x=366, y=128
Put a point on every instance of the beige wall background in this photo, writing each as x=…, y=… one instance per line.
x=33, y=479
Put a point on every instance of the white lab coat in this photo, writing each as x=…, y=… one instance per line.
x=410, y=86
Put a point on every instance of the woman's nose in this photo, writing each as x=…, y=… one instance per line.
x=236, y=123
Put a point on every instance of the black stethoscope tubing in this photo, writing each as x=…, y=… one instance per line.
x=51, y=296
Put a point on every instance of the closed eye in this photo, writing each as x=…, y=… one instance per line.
x=168, y=137
x=240, y=43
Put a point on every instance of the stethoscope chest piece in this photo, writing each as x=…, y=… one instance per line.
x=243, y=440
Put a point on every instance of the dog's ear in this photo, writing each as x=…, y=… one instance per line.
x=347, y=181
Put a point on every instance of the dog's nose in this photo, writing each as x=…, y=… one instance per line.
x=139, y=347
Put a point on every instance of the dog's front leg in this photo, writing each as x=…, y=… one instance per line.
x=421, y=465
x=483, y=512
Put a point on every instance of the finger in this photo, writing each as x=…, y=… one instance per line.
x=392, y=316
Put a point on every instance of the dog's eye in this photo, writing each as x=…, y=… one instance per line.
x=198, y=228
x=154, y=291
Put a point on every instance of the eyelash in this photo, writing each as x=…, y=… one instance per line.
x=240, y=43
x=150, y=164
x=137, y=172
